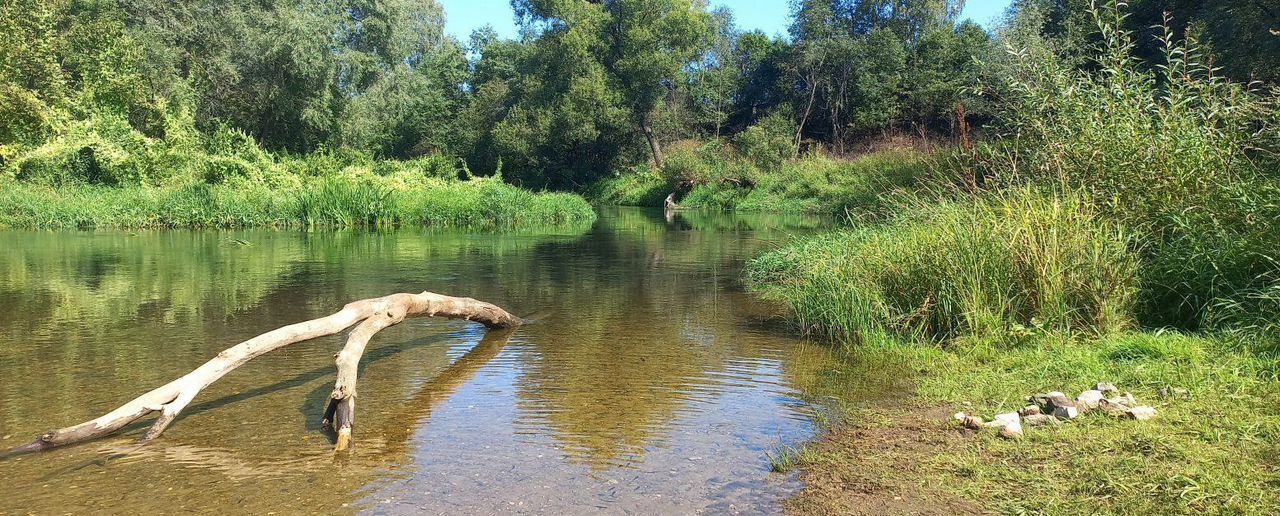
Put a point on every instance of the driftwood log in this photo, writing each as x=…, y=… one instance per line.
x=369, y=316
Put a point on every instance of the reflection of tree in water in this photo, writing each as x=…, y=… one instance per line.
x=648, y=323
x=644, y=321
x=121, y=311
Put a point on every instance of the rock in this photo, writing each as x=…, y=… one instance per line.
x=1007, y=417
x=1113, y=406
x=1176, y=392
x=1105, y=388
x=1029, y=410
x=1088, y=400
x=973, y=422
x=1128, y=399
x=960, y=416
x=1012, y=430
x=1041, y=420
x=1056, y=393
x=1141, y=413
x=1062, y=407
x=1060, y=400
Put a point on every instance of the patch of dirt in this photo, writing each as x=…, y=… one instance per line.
x=875, y=464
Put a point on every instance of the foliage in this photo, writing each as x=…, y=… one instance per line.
x=641, y=187
x=1178, y=155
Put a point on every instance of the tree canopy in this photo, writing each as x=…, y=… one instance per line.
x=589, y=85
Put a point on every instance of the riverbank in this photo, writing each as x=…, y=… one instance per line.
x=992, y=299
x=1213, y=450
x=1128, y=239
x=719, y=176
x=350, y=201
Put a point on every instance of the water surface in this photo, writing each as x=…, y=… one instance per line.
x=649, y=382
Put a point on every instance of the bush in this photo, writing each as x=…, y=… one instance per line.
x=770, y=143
x=1002, y=267
x=640, y=187
x=689, y=164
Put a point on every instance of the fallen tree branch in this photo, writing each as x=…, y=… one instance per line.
x=370, y=316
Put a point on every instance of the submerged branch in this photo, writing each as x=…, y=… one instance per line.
x=368, y=315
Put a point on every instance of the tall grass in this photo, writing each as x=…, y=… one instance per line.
x=321, y=202
x=100, y=172
x=1182, y=158
x=1003, y=267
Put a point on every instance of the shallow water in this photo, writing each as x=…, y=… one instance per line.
x=647, y=383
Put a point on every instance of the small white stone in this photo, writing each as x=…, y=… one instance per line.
x=1011, y=430
x=1113, y=406
x=1007, y=417
x=1105, y=387
x=1089, y=399
x=1066, y=412
x=1040, y=420
x=959, y=416
x=1141, y=413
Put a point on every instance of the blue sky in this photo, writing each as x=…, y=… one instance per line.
x=771, y=16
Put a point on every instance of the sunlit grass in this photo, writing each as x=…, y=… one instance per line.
x=326, y=202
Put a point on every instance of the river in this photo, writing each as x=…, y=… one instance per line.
x=647, y=382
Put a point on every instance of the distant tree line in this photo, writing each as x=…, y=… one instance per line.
x=587, y=87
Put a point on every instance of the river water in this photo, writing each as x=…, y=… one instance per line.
x=648, y=381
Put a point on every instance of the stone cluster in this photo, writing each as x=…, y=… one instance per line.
x=1055, y=407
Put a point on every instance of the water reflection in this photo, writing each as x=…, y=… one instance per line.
x=648, y=381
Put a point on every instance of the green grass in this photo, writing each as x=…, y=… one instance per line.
x=1002, y=267
x=1214, y=452
x=714, y=176
x=323, y=202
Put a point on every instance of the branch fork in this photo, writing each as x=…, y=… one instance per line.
x=368, y=316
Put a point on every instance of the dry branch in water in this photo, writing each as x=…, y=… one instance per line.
x=369, y=316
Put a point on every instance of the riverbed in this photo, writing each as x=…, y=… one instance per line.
x=647, y=380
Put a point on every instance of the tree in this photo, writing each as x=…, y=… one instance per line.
x=637, y=48
x=713, y=79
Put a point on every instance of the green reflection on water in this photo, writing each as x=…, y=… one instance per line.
x=640, y=331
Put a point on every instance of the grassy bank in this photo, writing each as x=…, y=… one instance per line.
x=1123, y=230
x=100, y=173
x=988, y=302
x=319, y=202
x=1212, y=452
x=719, y=176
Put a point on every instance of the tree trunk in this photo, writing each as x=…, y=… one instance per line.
x=813, y=93
x=371, y=315
x=654, y=145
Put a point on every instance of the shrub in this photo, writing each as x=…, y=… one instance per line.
x=770, y=143
x=689, y=164
x=640, y=187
